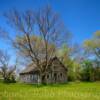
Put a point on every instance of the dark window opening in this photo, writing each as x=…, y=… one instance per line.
x=55, y=76
x=61, y=74
x=47, y=76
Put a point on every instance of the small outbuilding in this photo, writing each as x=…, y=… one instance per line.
x=56, y=73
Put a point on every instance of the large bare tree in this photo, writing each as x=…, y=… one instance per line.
x=39, y=34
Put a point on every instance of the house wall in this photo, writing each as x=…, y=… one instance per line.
x=56, y=77
x=51, y=77
x=58, y=74
x=30, y=78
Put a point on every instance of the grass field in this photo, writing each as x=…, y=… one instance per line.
x=70, y=91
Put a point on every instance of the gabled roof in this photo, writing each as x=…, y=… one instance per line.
x=31, y=68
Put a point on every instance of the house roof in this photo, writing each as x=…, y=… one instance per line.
x=29, y=69
x=33, y=68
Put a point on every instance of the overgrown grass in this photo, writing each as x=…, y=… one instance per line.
x=70, y=91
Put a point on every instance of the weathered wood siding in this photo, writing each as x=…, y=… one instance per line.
x=30, y=78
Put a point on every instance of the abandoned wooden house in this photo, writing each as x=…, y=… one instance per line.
x=56, y=73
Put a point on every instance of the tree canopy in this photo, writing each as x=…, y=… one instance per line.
x=93, y=45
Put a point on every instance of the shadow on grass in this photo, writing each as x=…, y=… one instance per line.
x=47, y=85
x=44, y=85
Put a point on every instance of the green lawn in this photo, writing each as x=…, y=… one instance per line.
x=70, y=91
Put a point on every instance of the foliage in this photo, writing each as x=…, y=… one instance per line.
x=87, y=71
x=65, y=54
x=96, y=70
x=93, y=45
x=90, y=71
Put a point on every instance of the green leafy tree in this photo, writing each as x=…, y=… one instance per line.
x=87, y=71
x=92, y=46
x=65, y=54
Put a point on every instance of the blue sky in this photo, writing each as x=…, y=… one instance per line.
x=81, y=17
